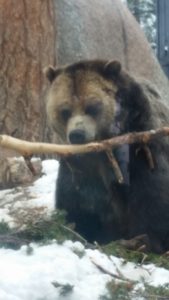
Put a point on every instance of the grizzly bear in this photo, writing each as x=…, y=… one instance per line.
x=92, y=101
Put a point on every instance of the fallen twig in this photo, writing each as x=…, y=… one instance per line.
x=105, y=271
x=13, y=241
x=30, y=165
x=117, y=269
x=77, y=235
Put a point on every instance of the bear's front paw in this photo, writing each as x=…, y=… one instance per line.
x=138, y=243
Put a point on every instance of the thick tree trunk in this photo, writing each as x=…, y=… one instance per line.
x=27, y=45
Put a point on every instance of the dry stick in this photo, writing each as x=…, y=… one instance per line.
x=29, y=164
x=28, y=148
x=105, y=271
x=77, y=235
x=117, y=269
x=115, y=165
x=148, y=155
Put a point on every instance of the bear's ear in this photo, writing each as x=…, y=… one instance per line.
x=50, y=73
x=112, y=68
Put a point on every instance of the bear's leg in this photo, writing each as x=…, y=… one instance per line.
x=148, y=200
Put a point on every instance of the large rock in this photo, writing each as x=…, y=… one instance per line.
x=15, y=171
x=105, y=29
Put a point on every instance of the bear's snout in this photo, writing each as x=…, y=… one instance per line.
x=80, y=129
x=77, y=136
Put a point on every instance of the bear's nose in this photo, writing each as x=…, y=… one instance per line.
x=77, y=136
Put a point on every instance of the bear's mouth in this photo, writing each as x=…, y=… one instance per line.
x=77, y=136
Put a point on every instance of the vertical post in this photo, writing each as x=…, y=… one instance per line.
x=163, y=34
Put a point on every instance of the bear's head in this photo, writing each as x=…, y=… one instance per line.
x=83, y=99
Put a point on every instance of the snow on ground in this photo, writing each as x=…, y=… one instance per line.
x=18, y=202
x=25, y=275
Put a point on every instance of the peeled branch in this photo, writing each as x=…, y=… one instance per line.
x=27, y=149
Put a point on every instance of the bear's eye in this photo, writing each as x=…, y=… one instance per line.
x=65, y=113
x=93, y=109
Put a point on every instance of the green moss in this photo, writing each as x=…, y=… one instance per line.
x=4, y=227
x=124, y=291
x=45, y=230
x=135, y=256
x=118, y=291
x=4, y=231
x=79, y=253
x=156, y=293
x=65, y=289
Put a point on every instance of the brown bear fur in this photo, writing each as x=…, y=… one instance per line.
x=94, y=100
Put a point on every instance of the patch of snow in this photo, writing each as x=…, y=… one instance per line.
x=40, y=194
x=25, y=277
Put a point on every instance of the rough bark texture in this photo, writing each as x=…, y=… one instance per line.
x=34, y=34
x=27, y=45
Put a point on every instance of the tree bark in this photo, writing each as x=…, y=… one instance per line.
x=27, y=45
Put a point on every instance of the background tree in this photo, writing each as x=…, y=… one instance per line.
x=27, y=45
x=145, y=14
